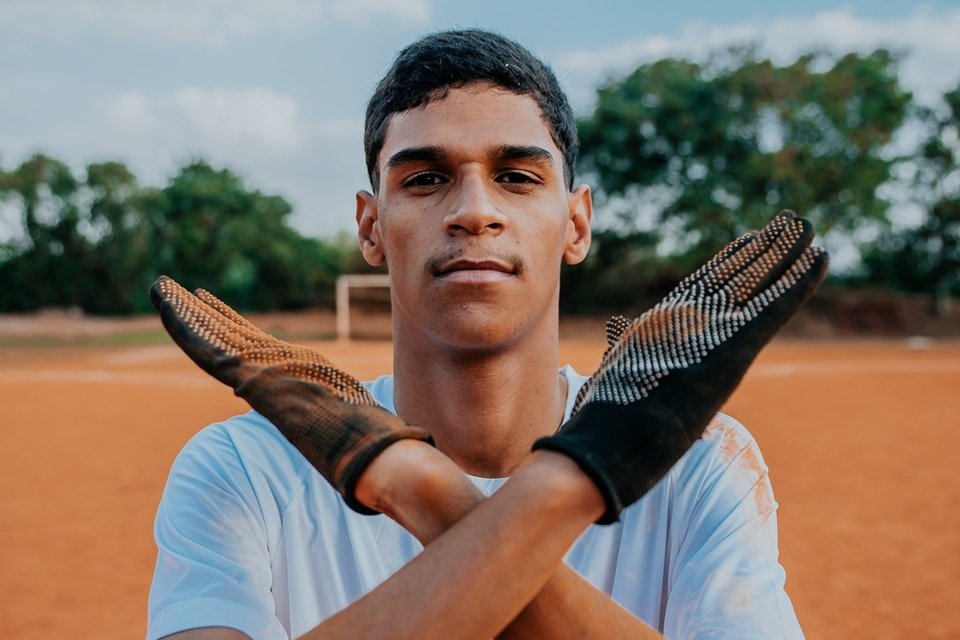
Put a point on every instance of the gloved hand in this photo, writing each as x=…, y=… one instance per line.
x=328, y=415
x=666, y=373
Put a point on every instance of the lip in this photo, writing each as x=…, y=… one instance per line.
x=465, y=270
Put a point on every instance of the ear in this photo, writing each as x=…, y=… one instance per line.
x=368, y=228
x=577, y=242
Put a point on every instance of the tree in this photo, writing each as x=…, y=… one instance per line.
x=97, y=242
x=116, y=271
x=622, y=275
x=40, y=266
x=82, y=241
x=211, y=231
x=926, y=257
x=713, y=149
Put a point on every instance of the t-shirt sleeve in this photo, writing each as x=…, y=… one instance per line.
x=727, y=580
x=213, y=565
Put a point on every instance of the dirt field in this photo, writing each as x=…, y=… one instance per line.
x=861, y=438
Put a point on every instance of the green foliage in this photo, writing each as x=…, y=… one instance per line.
x=926, y=257
x=623, y=275
x=98, y=242
x=116, y=272
x=214, y=233
x=40, y=265
x=718, y=147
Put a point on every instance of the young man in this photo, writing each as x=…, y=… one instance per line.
x=471, y=147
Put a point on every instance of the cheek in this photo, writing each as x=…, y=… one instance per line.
x=405, y=253
x=551, y=238
x=396, y=238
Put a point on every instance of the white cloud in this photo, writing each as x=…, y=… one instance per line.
x=340, y=127
x=362, y=11
x=132, y=112
x=213, y=22
x=258, y=133
x=929, y=37
x=251, y=116
x=219, y=118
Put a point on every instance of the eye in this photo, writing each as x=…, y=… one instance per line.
x=516, y=177
x=424, y=179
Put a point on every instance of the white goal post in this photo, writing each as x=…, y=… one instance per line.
x=354, y=281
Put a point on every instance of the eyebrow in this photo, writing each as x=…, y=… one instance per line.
x=504, y=152
x=529, y=153
x=416, y=154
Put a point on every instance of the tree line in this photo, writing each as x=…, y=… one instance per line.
x=97, y=241
x=683, y=156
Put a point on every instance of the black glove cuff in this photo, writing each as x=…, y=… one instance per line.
x=625, y=449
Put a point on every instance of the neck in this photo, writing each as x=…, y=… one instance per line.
x=484, y=408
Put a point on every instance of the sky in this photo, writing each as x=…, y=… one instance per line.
x=275, y=90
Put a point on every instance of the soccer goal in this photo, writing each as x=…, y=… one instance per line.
x=357, y=288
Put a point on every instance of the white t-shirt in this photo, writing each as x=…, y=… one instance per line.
x=251, y=537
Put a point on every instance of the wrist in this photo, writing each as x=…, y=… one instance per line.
x=570, y=488
x=419, y=487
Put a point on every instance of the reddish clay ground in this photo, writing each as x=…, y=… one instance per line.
x=862, y=442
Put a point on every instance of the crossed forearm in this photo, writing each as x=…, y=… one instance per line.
x=570, y=607
x=488, y=565
x=504, y=552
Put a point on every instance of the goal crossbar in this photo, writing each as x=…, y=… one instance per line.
x=353, y=281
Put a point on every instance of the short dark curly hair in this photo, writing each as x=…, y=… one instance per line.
x=427, y=69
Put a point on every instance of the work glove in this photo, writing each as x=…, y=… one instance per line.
x=665, y=374
x=328, y=415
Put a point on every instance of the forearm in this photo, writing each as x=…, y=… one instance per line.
x=570, y=607
x=477, y=576
x=566, y=607
x=484, y=560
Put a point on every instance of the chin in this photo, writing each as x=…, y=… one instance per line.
x=476, y=330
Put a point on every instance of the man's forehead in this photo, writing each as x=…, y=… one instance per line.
x=473, y=117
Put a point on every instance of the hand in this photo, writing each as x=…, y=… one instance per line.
x=328, y=415
x=666, y=373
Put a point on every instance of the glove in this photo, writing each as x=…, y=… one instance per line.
x=665, y=374
x=328, y=415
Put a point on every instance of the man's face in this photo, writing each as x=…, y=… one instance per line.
x=473, y=218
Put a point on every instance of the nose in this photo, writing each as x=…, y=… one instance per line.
x=473, y=209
